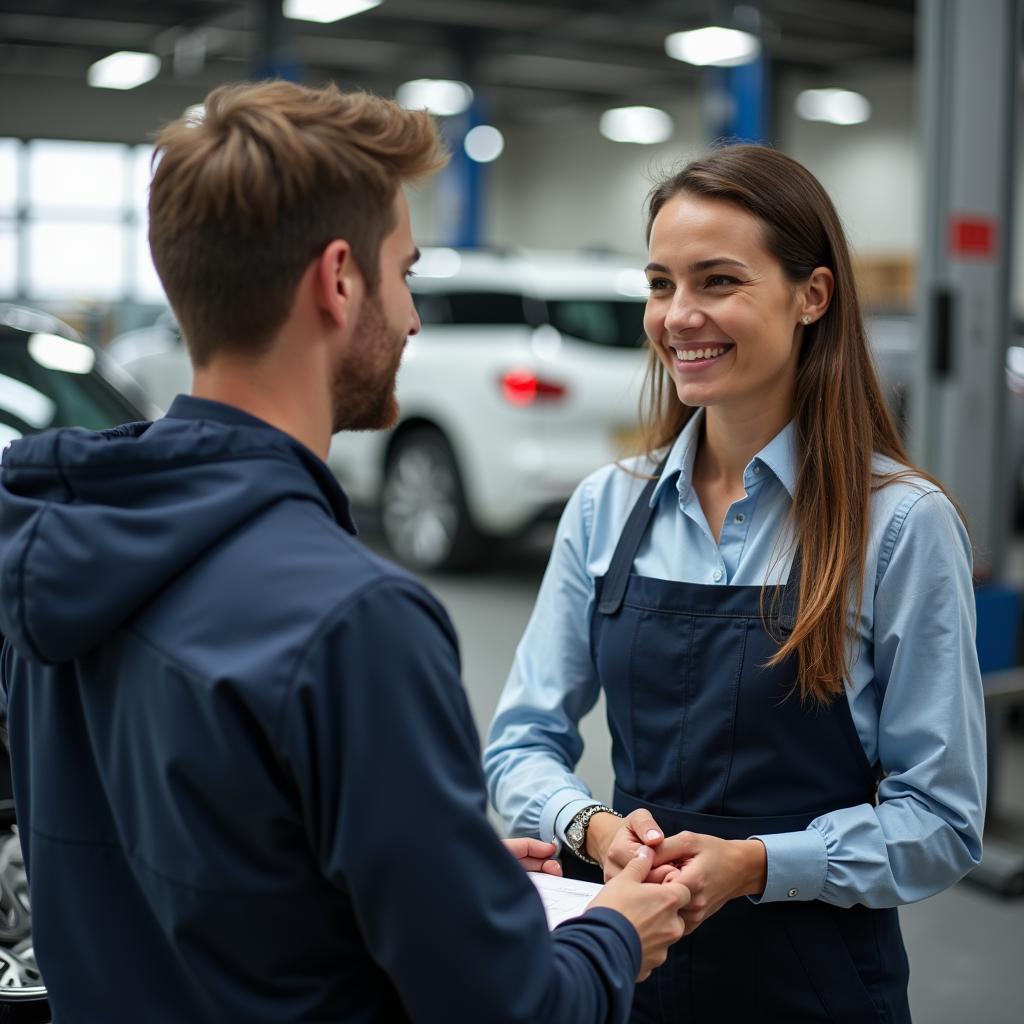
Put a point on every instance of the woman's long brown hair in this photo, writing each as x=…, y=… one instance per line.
x=840, y=411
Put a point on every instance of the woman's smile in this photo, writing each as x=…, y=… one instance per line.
x=695, y=357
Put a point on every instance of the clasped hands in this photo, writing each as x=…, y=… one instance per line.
x=714, y=870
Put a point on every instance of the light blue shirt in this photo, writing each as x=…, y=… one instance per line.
x=914, y=688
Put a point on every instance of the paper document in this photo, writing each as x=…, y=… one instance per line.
x=562, y=897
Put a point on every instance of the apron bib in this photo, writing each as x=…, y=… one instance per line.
x=709, y=739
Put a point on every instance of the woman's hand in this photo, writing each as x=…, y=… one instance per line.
x=534, y=855
x=716, y=871
x=613, y=843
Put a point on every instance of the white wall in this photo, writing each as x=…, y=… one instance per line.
x=564, y=185
x=872, y=170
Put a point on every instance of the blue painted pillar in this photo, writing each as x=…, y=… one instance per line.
x=736, y=102
x=273, y=57
x=461, y=188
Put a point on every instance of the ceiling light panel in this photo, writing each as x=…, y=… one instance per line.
x=125, y=69
x=714, y=45
x=325, y=11
x=834, y=106
x=642, y=125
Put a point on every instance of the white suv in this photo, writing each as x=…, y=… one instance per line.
x=525, y=376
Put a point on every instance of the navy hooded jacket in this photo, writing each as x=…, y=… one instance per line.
x=245, y=770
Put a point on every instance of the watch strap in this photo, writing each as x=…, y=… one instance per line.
x=576, y=830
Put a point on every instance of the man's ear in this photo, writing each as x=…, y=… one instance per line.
x=338, y=282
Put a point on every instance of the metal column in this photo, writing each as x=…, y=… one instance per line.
x=968, y=57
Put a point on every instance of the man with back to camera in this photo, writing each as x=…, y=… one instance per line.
x=246, y=773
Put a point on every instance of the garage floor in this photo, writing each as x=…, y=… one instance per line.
x=966, y=945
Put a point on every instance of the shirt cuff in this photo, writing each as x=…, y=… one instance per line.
x=559, y=810
x=797, y=864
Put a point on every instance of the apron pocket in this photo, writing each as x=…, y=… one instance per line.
x=831, y=969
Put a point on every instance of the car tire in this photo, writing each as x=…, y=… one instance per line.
x=24, y=1007
x=423, y=510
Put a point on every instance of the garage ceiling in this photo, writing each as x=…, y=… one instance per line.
x=531, y=59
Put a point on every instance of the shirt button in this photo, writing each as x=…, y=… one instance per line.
x=757, y=467
x=793, y=892
x=717, y=575
x=740, y=517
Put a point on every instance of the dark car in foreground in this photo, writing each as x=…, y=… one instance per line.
x=49, y=378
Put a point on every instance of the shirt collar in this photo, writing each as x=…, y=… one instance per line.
x=778, y=455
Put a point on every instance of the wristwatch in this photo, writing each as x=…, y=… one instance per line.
x=576, y=831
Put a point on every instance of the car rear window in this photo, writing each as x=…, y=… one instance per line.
x=471, y=308
x=607, y=322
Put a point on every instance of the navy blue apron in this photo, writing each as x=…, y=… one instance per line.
x=709, y=739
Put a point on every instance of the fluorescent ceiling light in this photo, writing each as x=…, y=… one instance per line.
x=484, y=143
x=722, y=47
x=836, y=106
x=124, y=70
x=57, y=353
x=438, y=95
x=325, y=11
x=643, y=125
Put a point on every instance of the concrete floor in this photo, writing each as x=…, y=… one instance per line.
x=966, y=945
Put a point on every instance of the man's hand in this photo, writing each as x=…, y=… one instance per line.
x=716, y=871
x=534, y=855
x=613, y=842
x=654, y=910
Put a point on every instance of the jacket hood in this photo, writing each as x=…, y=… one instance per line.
x=94, y=524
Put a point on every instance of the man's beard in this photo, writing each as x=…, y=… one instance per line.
x=363, y=388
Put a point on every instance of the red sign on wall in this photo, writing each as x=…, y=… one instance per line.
x=972, y=236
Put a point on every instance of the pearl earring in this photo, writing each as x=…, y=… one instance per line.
x=805, y=319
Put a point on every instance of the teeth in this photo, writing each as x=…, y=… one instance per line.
x=689, y=355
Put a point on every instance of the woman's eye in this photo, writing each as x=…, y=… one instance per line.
x=719, y=281
x=658, y=284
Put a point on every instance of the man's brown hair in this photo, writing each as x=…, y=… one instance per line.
x=247, y=194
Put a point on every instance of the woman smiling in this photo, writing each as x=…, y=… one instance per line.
x=779, y=610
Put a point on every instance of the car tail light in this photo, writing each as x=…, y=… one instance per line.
x=523, y=387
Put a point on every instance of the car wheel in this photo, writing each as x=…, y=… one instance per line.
x=423, y=509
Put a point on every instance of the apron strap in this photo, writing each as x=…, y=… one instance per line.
x=790, y=605
x=613, y=586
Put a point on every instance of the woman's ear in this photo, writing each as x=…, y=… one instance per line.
x=337, y=281
x=817, y=294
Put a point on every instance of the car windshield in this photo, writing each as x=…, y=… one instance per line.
x=611, y=323
x=471, y=307
x=35, y=396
